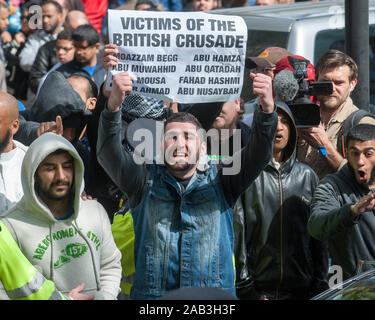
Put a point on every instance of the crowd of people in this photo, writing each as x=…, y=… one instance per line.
x=81, y=219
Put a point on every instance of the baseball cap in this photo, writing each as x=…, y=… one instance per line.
x=287, y=63
x=267, y=58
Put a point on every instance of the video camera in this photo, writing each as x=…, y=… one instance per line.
x=294, y=86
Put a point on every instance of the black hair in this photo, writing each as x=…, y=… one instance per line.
x=361, y=132
x=58, y=151
x=87, y=33
x=183, y=117
x=26, y=6
x=66, y=34
x=186, y=117
x=56, y=4
x=92, y=89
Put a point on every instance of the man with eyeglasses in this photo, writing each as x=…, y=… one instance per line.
x=86, y=41
x=51, y=56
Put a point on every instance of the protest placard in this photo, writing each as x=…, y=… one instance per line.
x=180, y=56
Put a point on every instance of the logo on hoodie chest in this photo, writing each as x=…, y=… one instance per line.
x=73, y=250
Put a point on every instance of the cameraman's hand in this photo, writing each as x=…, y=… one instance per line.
x=122, y=84
x=315, y=136
x=262, y=87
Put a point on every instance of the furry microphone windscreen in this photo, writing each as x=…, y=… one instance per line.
x=285, y=86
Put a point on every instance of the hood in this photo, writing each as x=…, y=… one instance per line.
x=206, y=113
x=290, y=149
x=57, y=97
x=36, y=153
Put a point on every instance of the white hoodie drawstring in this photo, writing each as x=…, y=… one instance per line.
x=92, y=254
x=51, y=261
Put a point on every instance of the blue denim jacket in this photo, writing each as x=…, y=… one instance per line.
x=186, y=237
x=182, y=238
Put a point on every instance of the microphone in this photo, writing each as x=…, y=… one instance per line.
x=285, y=86
x=287, y=89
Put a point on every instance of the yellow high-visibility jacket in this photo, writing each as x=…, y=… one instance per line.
x=123, y=234
x=21, y=280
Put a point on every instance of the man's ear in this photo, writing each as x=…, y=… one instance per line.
x=203, y=148
x=238, y=104
x=353, y=83
x=97, y=46
x=91, y=103
x=15, y=126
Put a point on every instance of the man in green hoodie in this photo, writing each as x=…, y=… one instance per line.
x=69, y=240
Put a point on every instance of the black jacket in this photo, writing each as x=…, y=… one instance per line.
x=44, y=61
x=74, y=67
x=16, y=78
x=348, y=240
x=56, y=97
x=275, y=256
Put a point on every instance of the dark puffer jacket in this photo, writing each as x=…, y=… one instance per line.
x=44, y=61
x=348, y=241
x=275, y=255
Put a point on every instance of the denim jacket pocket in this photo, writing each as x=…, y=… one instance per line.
x=149, y=266
x=203, y=195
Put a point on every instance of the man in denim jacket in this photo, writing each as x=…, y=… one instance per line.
x=182, y=209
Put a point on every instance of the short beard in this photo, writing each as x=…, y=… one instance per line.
x=49, y=195
x=52, y=29
x=5, y=142
x=182, y=168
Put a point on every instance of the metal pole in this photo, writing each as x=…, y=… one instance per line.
x=357, y=46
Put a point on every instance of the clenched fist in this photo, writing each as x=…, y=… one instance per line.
x=122, y=84
x=262, y=87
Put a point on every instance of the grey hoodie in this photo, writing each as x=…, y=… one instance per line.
x=79, y=249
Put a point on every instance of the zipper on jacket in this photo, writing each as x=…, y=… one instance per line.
x=281, y=236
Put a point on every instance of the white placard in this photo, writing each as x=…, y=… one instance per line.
x=185, y=57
